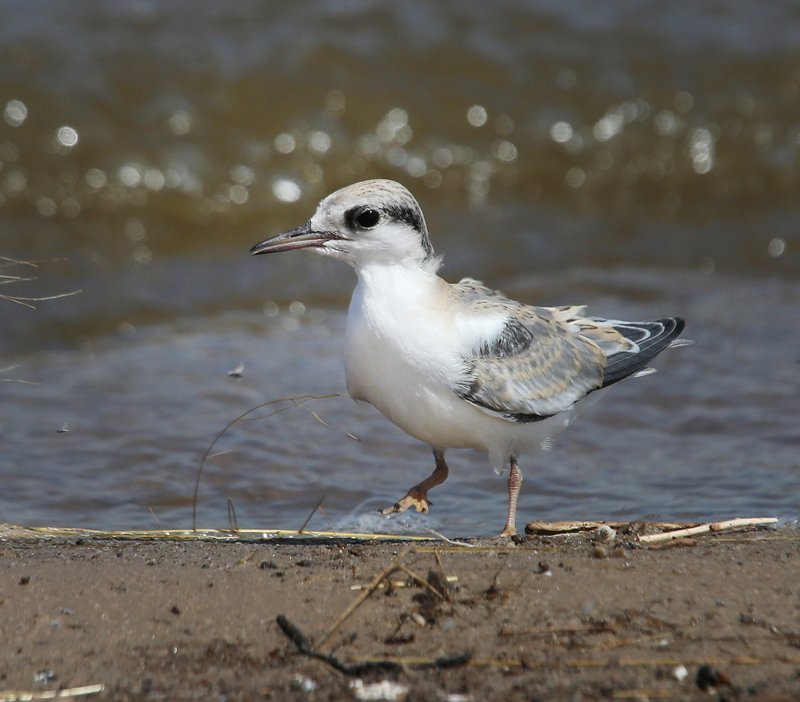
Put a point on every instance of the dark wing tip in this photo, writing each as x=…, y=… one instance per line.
x=651, y=337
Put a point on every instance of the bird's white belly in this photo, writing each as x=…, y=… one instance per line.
x=422, y=406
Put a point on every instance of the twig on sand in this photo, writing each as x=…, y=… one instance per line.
x=572, y=527
x=668, y=530
x=387, y=664
x=706, y=528
x=304, y=646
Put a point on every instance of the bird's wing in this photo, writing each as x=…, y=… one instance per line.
x=544, y=359
x=536, y=366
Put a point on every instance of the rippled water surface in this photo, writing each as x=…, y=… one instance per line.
x=642, y=158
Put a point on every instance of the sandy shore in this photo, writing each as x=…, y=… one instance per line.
x=545, y=619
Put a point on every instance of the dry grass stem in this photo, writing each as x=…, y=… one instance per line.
x=233, y=523
x=311, y=515
x=24, y=300
x=450, y=541
x=60, y=694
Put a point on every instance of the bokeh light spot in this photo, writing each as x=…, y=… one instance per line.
x=180, y=122
x=286, y=190
x=477, y=115
x=15, y=113
x=561, y=132
x=67, y=136
x=776, y=247
x=285, y=143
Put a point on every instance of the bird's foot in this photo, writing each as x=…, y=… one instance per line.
x=508, y=531
x=415, y=498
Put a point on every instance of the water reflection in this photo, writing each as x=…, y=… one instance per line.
x=648, y=153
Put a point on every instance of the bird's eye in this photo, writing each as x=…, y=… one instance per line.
x=367, y=219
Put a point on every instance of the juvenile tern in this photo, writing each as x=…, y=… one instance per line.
x=459, y=365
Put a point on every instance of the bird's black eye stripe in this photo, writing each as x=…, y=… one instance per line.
x=406, y=215
x=363, y=217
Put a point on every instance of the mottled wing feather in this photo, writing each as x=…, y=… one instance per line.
x=544, y=371
x=536, y=367
x=545, y=359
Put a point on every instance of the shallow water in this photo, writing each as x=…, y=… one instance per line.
x=642, y=161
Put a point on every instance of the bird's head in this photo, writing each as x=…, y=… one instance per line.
x=367, y=222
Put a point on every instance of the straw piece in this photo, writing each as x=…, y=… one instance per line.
x=12, y=531
x=706, y=528
x=63, y=693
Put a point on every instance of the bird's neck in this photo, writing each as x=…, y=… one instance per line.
x=406, y=280
x=400, y=294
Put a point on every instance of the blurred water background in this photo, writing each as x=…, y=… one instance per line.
x=639, y=156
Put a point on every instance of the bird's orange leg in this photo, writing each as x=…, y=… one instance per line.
x=514, y=485
x=417, y=496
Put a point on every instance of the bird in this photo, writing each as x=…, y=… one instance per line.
x=460, y=365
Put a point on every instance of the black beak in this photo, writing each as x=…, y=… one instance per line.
x=299, y=238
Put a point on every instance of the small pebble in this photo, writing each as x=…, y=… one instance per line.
x=304, y=683
x=709, y=679
x=605, y=533
x=385, y=690
x=418, y=619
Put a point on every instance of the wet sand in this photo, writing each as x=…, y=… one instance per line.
x=547, y=618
